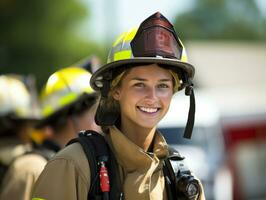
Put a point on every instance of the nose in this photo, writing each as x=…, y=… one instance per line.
x=151, y=95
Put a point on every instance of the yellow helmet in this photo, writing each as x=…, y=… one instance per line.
x=15, y=99
x=155, y=41
x=64, y=88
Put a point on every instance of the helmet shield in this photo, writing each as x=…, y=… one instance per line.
x=156, y=37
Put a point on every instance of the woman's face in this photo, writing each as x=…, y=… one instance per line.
x=144, y=95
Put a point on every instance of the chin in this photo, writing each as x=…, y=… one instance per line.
x=148, y=125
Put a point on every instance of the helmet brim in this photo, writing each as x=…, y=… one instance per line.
x=174, y=64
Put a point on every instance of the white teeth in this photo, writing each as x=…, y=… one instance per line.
x=148, y=110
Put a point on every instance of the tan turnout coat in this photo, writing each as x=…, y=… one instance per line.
x=23, y=170
x=67, y=175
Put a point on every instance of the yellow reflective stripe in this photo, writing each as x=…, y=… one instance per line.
x=88, y=90
x=126, y=36
x=67, y=99
x=47, y=110
x=37, y=198
x=184, y=55
x=130, y=34
x=122, y=55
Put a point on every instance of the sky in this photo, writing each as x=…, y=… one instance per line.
x=111, y=17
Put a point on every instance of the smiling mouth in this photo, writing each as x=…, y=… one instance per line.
x=148, y=110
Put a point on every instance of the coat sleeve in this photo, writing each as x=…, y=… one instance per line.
x=62, y=179
x=20, y=177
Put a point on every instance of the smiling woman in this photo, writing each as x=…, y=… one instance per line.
x=144, y=97
x=145, y=67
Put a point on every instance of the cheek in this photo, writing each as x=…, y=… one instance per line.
x=166, y=98
x=128, y=100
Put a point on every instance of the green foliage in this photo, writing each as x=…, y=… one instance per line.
x=222, y=19
x=38, y=37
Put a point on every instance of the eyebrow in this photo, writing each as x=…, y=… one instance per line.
x=143, y=79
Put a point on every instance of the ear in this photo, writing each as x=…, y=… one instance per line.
x=116, y=94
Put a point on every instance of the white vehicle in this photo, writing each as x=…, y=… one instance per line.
x=204, y=151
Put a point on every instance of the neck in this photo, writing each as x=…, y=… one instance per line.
x=67, y=133
x=141, y=136
x=60, y=139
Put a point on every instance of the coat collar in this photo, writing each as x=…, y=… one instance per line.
x=133, y=158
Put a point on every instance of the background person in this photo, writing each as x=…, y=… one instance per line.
x=68, y=106
x=17, y=119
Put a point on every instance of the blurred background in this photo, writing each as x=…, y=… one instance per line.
x=226, y=42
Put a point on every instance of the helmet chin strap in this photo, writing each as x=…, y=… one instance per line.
x=191, y=114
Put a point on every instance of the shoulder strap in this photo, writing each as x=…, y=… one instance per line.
x=178, y=178
x=96, y=148
x=170, y=171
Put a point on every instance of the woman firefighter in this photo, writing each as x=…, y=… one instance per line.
x=145, y=67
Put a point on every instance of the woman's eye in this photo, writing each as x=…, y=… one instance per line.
x=139, y=85
x=163, y=86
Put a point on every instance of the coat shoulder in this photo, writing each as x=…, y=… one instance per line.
x=74, y=154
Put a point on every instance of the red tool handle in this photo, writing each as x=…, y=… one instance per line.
x=104, y=178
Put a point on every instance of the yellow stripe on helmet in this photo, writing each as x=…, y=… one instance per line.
x=67, y=99
x=122, y=55
x=126, y=36
x=47, y=110
x=130, y=34
x=184, y=53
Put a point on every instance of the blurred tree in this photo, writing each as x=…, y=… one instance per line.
x=38, y=37
x=222, y=19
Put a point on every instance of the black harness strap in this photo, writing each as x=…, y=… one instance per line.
x=89, y=150
x=168, y=176
x=96, y=148
x=169, y=173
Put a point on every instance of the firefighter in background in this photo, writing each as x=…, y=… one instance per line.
x=41, y=135
x=145, y=67
x=17, y=118
x=68, y=106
